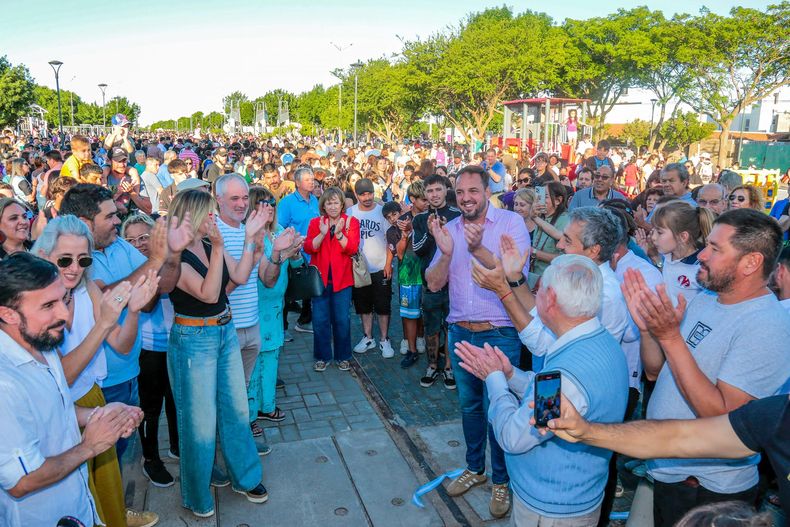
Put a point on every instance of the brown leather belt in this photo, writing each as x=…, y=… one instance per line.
x=219, y=320
x=475, y=327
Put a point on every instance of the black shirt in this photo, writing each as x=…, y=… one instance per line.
x=764, y=426
x=423, y=243
x=186, y=304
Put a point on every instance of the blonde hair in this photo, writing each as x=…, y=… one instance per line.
x=756, y=199
x=679, y=217
x=526, y=194
x=197, y=202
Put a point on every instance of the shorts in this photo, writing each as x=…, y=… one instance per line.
x=410, y=301
x=573, y=136
x=435, y=310
x=373, y=298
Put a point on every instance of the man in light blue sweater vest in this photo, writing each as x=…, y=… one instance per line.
x=553, y=480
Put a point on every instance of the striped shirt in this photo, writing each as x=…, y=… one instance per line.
x=243, y=299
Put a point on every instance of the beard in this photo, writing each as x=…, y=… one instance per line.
x=43, y=341
x=716, y=283
x=475, y=213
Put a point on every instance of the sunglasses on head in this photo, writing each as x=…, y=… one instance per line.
x=270, y=202
x=65, y=261
x=739, y=199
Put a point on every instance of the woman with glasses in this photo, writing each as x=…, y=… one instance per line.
x=281, y=248
x=93, y=320
x=551, y=218
x=746, y=197
x=153, y=383
x=14, y=227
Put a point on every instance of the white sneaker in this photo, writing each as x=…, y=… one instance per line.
x=364, y=345
x=404, y=347
x=386, y=349
x=420, y=345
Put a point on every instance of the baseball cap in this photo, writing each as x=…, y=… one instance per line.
x=119, y=154
x=362, y=186
x=189, y=184
x=120, y=119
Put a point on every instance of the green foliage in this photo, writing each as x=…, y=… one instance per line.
x=636, y=133
x=683, y=130
x=16, y=92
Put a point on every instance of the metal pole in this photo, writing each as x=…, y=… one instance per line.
x=56, y=64
x=340, y=112
x=356, y=67
x=103, y=87
x=652, y=115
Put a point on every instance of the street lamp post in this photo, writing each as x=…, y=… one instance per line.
x=56, y=64
x=337, y=73
x=356, y=67
x=652, y=115
x=103, y=87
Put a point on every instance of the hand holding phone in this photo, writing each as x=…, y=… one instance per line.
x=548, y=386
x=541, y=193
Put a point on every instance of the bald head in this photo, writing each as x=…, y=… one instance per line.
x=711, y=197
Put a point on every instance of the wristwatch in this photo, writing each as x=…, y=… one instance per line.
x=518, y=282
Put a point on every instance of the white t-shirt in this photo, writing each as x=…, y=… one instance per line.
x=373, y=236
x=680, y=276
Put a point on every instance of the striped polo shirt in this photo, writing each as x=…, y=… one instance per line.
x=243, y=299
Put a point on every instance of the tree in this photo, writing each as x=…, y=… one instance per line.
x=387, y=103
x=122, y=105
x=637, y=133
x=603, y=57
x=682, y=130
x=734, y=62
x=466, y=73
x=16, y=92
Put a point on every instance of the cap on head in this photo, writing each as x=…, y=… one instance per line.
x=119, y=154
x=120, y=119
x=362, y=186
x=191, y=183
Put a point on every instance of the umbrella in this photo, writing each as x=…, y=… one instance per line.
x=373, y=152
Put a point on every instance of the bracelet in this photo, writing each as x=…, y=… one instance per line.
x=250, y=247
x=276, y=262
x=503, y=297
x=518, y=282
x=90, y=415
x=339, y=236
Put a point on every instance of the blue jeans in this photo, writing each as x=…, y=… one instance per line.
x=332, y=323
x=125, y=393
x=474, y=399
x=207, y=378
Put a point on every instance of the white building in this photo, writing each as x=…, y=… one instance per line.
x=770, y=115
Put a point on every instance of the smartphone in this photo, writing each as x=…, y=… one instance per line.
x=548, y=386
x=541, y=193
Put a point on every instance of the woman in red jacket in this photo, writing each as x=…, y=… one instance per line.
x=332, y=239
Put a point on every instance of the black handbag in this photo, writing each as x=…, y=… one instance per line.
x=304, y=283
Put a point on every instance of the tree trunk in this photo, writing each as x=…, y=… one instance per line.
x=724, y=144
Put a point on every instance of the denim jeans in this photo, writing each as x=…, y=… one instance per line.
x=331, y=323
x=474, y=399
x=125, y=393
x=207, y=378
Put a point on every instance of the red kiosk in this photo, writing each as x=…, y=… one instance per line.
x=541, y=125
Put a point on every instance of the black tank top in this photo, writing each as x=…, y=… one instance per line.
x=188, y=305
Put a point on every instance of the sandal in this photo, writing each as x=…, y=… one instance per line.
x=256, y=430
x=319, y=365
x=343, y=365
x=276, y=416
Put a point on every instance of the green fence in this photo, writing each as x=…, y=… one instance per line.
x=765, y=154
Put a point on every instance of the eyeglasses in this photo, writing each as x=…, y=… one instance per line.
x=598, y=175
x=524, y=181
x=140, y=239
x=706, y=202
x=66, y=261
x=270, y=202
x=739, y=199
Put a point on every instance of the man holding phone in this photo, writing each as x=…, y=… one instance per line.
x=552, y=479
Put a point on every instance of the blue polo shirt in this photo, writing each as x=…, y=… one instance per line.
x=501, y=171
x=116, y=262
x=294, y=211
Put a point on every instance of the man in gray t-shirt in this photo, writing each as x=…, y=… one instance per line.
x=728, y=347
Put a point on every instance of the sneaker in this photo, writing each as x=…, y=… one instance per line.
x=219, y=478
x=343, y=365
x=500, y=500
x=256, y=430
x=409, y=360
x=319, y=365
x=156, y=472
x=263, y=449
x=256, y=495
x=449, y=379
x=280, y=384
x=305, y=327
x=365, y=344
x=208, y=514
x=420, y=345
x=386, y=349
x=141, y=518
x=172, y=455
x=288, y=337
x=404, y=347
x=431, y=374
x=464, y=482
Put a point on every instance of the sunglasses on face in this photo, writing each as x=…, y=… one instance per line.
x=598, y=175
x=739, y=199
x=523, y=181
x=65, y=261
x=270, y=202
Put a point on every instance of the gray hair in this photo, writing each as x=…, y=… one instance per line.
x=715, y=186
x=680, y=168
x=300, y=171
x=578, y=284
x=136, y=218
x=139, y=153
x=60, y=226
x=601, y=227
x=221, y=184
x=730, y=179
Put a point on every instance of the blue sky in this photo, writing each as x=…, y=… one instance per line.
x=176, y=57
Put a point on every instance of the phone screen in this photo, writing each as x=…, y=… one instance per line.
x=548, y=386
x=541, y=193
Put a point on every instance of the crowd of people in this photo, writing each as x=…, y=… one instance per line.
x=143, y=271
